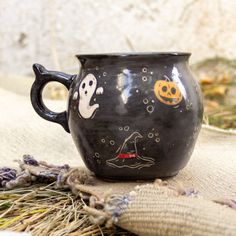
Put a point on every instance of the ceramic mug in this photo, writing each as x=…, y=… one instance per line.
x=131, y=116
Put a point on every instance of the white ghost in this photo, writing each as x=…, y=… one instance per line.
x=86, y=90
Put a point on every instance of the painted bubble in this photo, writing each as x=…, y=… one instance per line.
x=157, y=140
x=103, y=140
x=144, y=78
x=104, y=73
x=144, y=70
x=150, y=135
x=120, y=128
x=150, y=109
x=97, y=154
x=189, y=106
x=112, y=142
x=75, y=95
x=126, y=128
x=145, y=101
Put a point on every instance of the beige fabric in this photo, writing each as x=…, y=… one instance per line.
x=211, y=170
x=160, y=211
x=23, y=131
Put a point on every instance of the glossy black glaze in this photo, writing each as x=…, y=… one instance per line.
x=133, y=116
x=42, y=77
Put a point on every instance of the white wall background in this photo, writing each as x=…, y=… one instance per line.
x=52, y=31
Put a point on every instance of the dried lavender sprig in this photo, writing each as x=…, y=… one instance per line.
x=7, y=174
x=29, y=160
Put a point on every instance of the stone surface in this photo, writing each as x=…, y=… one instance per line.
x=51, y=32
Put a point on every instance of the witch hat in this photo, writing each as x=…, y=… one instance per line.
x=128, y=155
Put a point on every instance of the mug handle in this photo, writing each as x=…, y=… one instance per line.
x=42, y=77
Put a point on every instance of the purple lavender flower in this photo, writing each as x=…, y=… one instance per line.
x=29, y=160
x=6, y=175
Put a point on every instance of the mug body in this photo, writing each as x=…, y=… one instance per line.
x=135, y=116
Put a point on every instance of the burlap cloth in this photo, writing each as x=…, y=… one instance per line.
x=150, y=209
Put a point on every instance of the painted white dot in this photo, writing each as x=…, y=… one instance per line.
x=96, y=68
x=99, y=161
x=150, y=135
x=99, y=76
x=126, y=128
x=157, y=140
x=120, y=128
x=112, y=142
x=156, y=134
x=103, y=140
x=96, y=154
x=180, y=111
x=104, y=74
x=144, y=78
x=75, y=95
x=151, y=72
x=165, y=67
x=150, y=109
x=144, y=148
x=94, y=99
x=105, y=82
x=153, y=101
x=145, y=101
x=126, y=71
x=137, y=91
x=99, y=90
x=144, y=70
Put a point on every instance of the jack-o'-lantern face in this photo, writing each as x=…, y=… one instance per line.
x=167, y=92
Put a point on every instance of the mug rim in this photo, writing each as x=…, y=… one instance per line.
x=134, y=54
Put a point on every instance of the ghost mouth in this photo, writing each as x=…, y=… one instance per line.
x=170, y=100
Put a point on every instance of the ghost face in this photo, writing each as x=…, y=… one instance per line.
x=87, y=87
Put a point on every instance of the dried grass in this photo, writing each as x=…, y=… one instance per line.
x=48, y=211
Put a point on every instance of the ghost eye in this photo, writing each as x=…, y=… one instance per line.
x=90, y=83
x=83, y=85
x=164, y=88
x=173, y=90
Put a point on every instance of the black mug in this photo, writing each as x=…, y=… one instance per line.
x=131, y=116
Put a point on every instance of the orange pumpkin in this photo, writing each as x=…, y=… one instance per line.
x=167, y=92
